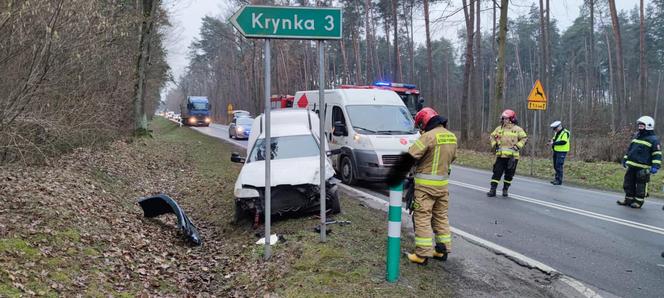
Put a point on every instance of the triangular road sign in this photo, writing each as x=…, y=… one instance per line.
x=537, y=94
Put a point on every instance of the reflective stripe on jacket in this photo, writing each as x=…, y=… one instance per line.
x=644, y=151
x=508, y=139
x=435, y=151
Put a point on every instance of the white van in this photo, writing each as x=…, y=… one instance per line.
x=371, y=127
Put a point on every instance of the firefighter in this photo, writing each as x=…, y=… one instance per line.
x=560, y=146
x=643, y=157
x=507, y=140
x=432, y=155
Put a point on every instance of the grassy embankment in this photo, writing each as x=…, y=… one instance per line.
x=73, y=228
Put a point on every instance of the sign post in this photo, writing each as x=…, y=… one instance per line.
x=287, y=22
x=536, y=101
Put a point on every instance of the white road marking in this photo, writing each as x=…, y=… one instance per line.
x=530, y=180
x=532, y=263
x=624, y=222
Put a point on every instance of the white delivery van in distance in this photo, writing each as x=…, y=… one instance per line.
x=371, y=127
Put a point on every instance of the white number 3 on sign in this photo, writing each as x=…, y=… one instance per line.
x=330, y=21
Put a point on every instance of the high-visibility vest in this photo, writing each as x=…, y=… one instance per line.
x=562, y=136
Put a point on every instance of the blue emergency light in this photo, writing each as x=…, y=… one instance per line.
x=399, y=85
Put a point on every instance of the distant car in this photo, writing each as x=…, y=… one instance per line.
x=239, y=113
x=295, y=162
x=240, y=128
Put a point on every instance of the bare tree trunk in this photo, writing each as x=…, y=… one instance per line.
x=411, y=48
x=543, y=44
x=500, y=68
x=369, y=42
x=479, y=78
x=592, y=55
x=642, y=61
x=429, y=80
x=345, y=59
x=659, y=81
x=612, y=92
x=620, y=69
x=397, y=57
x=148, y=12
x=469, y=14
x=358, y=63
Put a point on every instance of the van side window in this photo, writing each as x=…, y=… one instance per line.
x=338, y=115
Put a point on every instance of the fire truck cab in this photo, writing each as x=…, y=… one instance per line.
x=409, y=93
x=281, y=101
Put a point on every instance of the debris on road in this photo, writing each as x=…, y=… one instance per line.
x=273, y=240
x=163, y=204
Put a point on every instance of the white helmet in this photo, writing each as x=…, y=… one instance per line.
x=647, y=121
x=555, y=124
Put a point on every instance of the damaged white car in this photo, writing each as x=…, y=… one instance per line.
x=294, y=167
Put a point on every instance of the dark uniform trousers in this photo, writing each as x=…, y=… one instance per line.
x=635, y=183
x=500, y=167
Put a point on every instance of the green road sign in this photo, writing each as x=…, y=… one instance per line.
x=288, y=22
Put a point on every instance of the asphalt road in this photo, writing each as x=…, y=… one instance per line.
x=580, y=232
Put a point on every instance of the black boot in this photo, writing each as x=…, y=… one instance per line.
x=492, y=192
x=625, y=202
x=505, y=188
x=440, y=252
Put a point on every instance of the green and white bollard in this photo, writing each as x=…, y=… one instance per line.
x=394, y=233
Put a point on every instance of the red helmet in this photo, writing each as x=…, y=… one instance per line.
x=508, y=114
x=423, y=116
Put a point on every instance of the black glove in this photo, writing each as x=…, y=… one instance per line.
x=398, y=172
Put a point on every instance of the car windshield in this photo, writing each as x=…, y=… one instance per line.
x=244, y=121
x=286, y=147
x=378, y=119
x=199, y=105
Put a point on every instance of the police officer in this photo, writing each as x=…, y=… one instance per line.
x=560, y=146
x=507, y=140
x=432, y=155
x=643, y=157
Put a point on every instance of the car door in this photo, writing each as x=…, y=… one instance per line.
x=336, y=142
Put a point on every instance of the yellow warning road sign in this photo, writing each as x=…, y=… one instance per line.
x=229, y=108
x=536, y=105
x=537, y=94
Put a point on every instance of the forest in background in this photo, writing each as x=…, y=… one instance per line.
x=77, y=73
x=598, y=87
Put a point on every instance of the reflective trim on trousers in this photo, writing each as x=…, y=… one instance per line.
x=428, y=182
x=423, y=242
x=444, y=238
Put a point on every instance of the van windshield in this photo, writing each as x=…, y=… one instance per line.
x=286, y=147
x=377, y=119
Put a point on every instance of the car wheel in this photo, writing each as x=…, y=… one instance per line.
x=333, y=201
x=347, y=170
x=230, y=136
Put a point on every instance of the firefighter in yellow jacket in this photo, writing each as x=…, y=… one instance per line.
x=507, y=140
x=434, y=151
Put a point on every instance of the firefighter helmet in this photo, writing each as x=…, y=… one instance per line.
x=509, y=114
x=423, y=116
x=647, y=121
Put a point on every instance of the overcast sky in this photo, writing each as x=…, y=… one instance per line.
x=186, y=18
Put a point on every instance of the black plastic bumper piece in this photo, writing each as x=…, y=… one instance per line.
x=163, y=204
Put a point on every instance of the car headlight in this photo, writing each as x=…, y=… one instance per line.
x=192, y=120
x=240, y=129
x=207, y=120
x=246, y=193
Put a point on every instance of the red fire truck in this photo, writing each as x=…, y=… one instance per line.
x=282, y=101
x=408, y=93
